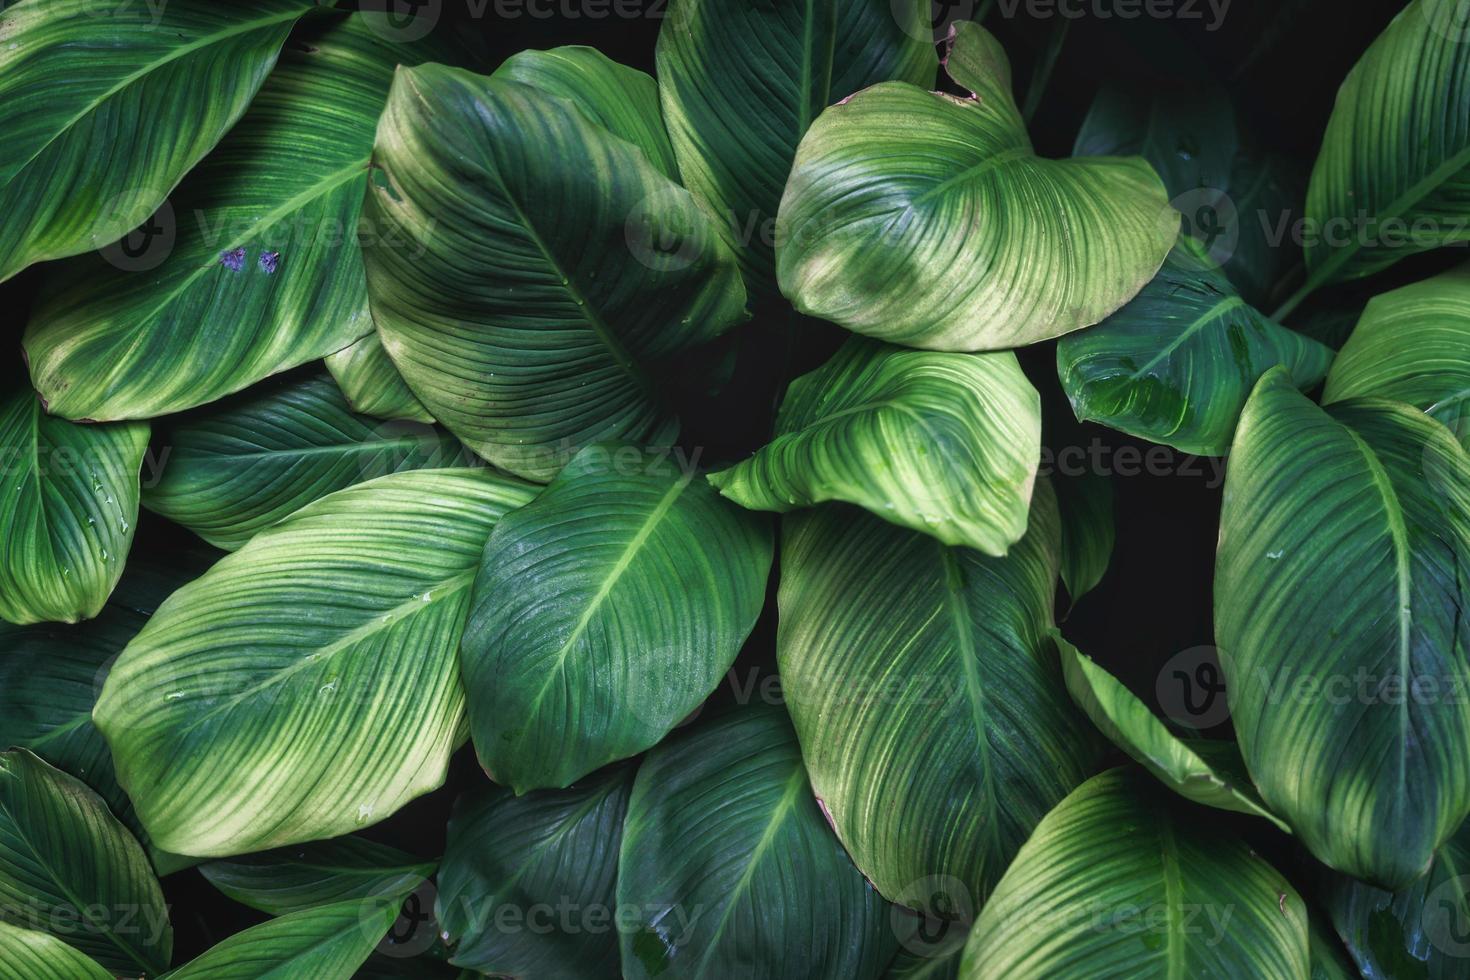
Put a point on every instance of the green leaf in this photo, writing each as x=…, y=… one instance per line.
x=325, y=943
x=1121, y=881
x=67, y=867
x=1393, y=173
x=1197, y=769
x=258, y=458
x=104, y=110
x=29, y=955
x=547, y=268
x=742, y=81
x=732, y=869
x=527, y=887
x=1414, y=933
x=69, y=494
x=938, y=961
x=605, y=612
x=373, y=386
x=50, y=677
x=919, y=675
x=306, y=685
x=1413, y=345
x=1085, y=504
x=622, y=100
x=261, y=272
x=1233, y=198
x=308, y=876
x=1344, y=540
x=947, y=444
x=1329, y=960
x=962, y=238
x=1176, y=365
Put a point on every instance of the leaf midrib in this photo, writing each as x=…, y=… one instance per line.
x=1398, y=531
x=378, y=623
x=619, y=568
x=780, y=813
x=1215, y=312
x=182, y=51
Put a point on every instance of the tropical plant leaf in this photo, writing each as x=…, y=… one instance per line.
x=50, y=677
x=527, y=887
x=262, y=271
x=69, y=494
x=1329, y=959
x=531, y=330
x=743, y=80
x=969, y=241
x=605, y=612
x=1176, y=365
x=1233, y=198
x=373, y=386
x=104, y=111
x=1344, y=540
x=29, y=955
x=622, y=100
x=1120, y=880
x=260, y=457
x=732, y=868
x=941, y=962
x=919, y=675
x=309, y=876
x=1190, y=767
x=67, y=867
x=1085, y=505
x=306, y=685
x=1417, y=932
x=947, y=444
x=1393, y=175
x=325, y=943
x=1413, y=345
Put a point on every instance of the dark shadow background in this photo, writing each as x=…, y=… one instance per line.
x=1281, y=61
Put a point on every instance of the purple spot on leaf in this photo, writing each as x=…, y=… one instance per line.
x=269, y=261
x=234, y=259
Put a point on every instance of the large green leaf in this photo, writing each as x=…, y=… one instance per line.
x=263, y=456
x=622, y=100
x=67, y=867
x=927, y=694
x=947, y=444
x=325, y=943
x=1196, y=769
x=1177, y=364
x=928, y=220
x=322, y=873
x=742, y=81
x=605, y=612
x=373, y=386
x=1233, y=198
x=547, y=267
x=733, y=871
x=69, y=496
x=1417, y=933
x=29, y=955
x=263, y=271
x=1413, y=345
x=104, y=109
x=306, y=685
x=1344, y=544
x=1120, y=880
x=50, y=677
x=1393, y=175
x=527, y=887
